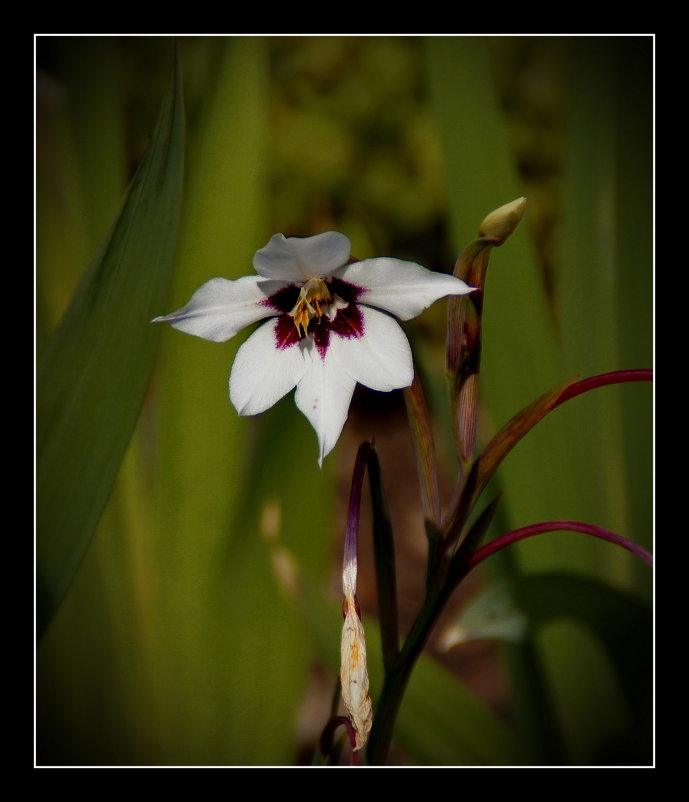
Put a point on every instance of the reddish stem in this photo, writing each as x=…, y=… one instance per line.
x=327, y=737
x=554, y=526
x=614, y=377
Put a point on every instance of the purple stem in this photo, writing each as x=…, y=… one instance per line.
x=347, y=724
x=351, y=540
x=330, y=727
x=614, y=377
x=555, y=526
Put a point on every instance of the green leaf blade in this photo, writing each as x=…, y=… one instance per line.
x=93, y=376
x=592, y=460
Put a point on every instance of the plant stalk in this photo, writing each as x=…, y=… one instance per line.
x=397, y=677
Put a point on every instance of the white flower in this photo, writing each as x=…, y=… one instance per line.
x=330, y=326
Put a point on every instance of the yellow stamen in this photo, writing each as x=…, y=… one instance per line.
x=313, y=298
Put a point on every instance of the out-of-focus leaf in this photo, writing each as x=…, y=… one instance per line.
x=443, y=723
x=494, y=613
x=622, y=622
x=93, y=375
x=181, y=641
x=242, y=507
x=514, y=609
x=80, y=164
x=605, y=290
x=554, y=472
x=519, y=360
x=623, y=627
x=94, y=103
x=606, y=303
x=62, y=242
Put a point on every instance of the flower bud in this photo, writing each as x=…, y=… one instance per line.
x=354, y=673
x=499, y=224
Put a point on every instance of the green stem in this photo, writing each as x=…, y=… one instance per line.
x=397, y=678
x=384, y=560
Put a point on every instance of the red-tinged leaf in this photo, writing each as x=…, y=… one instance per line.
x=496, y=451
x=513, y=431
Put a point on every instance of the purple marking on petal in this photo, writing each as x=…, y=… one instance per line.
x=344, y=289
x=283, y=300
x=320, y=329
x=286, y=333
x=348, y=322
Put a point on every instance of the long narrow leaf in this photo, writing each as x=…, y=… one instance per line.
x=95, y=370
x=592, y=460
x=623, y=626
x=239, y=500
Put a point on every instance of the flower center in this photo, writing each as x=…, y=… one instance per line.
x=314, y=298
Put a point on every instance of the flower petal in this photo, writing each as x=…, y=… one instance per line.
x=323, y=395
x=264, y=371
x=220, y=307
x=380, y=358
x=302, y=258
x=402, y=288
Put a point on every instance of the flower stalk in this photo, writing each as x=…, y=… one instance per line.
x=455, y=544
x=424, y=446
x=384, y=559
x=463, y=355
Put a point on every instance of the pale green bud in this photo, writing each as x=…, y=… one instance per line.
x=499, y=224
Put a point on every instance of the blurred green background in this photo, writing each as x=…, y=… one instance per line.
x=188, y=558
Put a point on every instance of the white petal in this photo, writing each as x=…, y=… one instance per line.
x=403, y=288
x=262, y=372
x=220, y=307
x=299, y=259
x=323, y=395
x=381, y=359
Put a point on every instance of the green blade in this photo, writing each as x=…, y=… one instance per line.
x=94, y=373
x=442, y=722
x=591, y=460
x=232, y=493
x=178, y=643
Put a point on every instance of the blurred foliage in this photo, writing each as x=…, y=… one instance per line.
x=183, y=639
x=354, y=139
